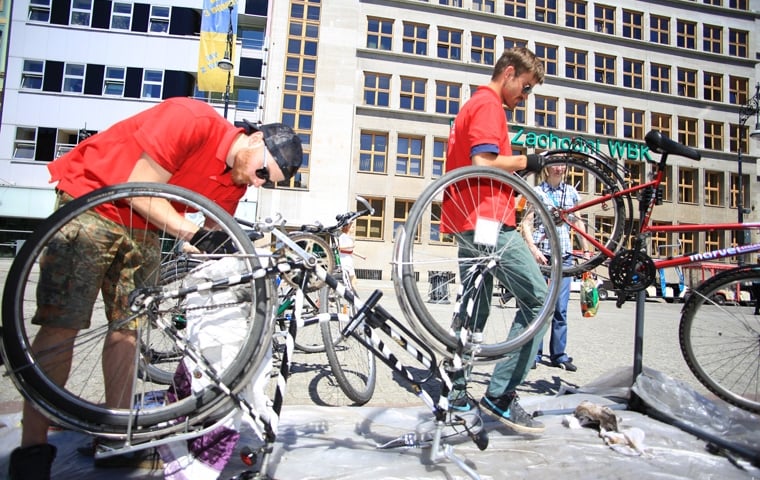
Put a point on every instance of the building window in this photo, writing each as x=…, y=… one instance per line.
x=713, y=87
x=451, y=3
x=738, y=88
x=31, y=76
x=734, y=190
x=25, y=144
x=519, y=114
x=632, y=25
x=113, y=82
x=81, y=13
x=687, y=185
x=488, y=6
x=717, y=3
x=713, y=240
x=439, y=156
x=659, y=29
x=739, y=4
x=247, y=99
x=687, y=241
x=121, y=16
x=152, y=81
x=483, y=50
x=73, y=78
x=373, y=152
x=514, y=42
x=686, y=34
x=409, y=154
x=436, y=236
x=298, y=110
x=575, y=64
x=660, y=78
x=546, y=11
x=604, y=19
x=377, y=89
x=548, y=53
x=666, y=183
x=576, y=116
x=575, y=14
x=516, y=8
x=449, y=44
x=604, y=71
x=687, y=83
x=412, y=94
x=633, y=73
x=447, y=97
x=604, y=120
x=687, y=131
x=738, y=138
x=660, y=241
x=39, y=10
x=633, y=124
x=738, y=43
x=400, y=214
x=546, y=112
x=159, y=19
x=370, y=227
x=662, y=122
x=713, y=188
x=415, y=38
x=713, y=135
x=379, y=33
x=712, y=39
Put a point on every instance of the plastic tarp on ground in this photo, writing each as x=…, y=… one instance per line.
x=342, y=442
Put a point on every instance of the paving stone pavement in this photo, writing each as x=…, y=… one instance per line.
x=598, y=345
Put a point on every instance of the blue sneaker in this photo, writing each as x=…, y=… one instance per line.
x=510, y=413
x=462, y=404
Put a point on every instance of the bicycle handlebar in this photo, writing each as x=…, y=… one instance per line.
x=659, y=143
x=342, y=219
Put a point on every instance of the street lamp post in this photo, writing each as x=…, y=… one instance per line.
x=747, y=111
x=226, y=63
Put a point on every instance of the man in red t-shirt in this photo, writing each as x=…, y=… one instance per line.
x=182, y=142
x=480, y=137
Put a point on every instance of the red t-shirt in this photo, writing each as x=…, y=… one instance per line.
x=481, y=121
x=186, y=137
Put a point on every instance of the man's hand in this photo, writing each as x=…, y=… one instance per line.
x=212, y=241
x=534, y=164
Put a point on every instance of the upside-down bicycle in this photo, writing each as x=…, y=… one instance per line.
x=441, y=339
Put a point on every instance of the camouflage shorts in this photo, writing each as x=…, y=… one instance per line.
x=92, y=255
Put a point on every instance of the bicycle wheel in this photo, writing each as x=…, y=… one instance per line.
x=308, y=337
x=720, y=336
x=609, y=221
x=318, y=247
x=33, y=289
x=424, y=253
x=352, y=364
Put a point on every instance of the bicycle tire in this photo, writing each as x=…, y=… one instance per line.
x=318, y=247
x=79, y=404
x=352, y=364
x=308, y=337
x=719, y=336
x=591, y=175
x=421, y=247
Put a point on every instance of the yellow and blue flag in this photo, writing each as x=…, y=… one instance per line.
x=215, y=24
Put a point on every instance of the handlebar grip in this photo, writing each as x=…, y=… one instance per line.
x=660, y=143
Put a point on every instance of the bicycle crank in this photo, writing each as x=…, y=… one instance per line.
x=631, y=271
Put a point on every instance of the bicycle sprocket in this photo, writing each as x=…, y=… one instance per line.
x=631, y=271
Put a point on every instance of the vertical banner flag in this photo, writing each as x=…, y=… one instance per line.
x=214, y=27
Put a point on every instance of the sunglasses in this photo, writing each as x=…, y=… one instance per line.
x=263, y=172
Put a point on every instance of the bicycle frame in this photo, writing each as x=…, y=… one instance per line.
x=647, y=227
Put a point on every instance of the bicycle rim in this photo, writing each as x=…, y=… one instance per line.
x=352, y=364
x=131, y=408
x=608, y=222
x=427, y=268
x=719, y=336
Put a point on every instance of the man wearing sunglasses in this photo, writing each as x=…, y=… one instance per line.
x=480, y=136
x=180, y=141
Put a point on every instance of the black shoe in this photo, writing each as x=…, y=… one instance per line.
x=32, y=463
x=510, y=413
x=463, y=404
x=566, y=365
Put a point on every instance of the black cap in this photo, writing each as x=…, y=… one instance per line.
x=282, y=142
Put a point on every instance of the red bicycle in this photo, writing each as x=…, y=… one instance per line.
x=719, y=331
